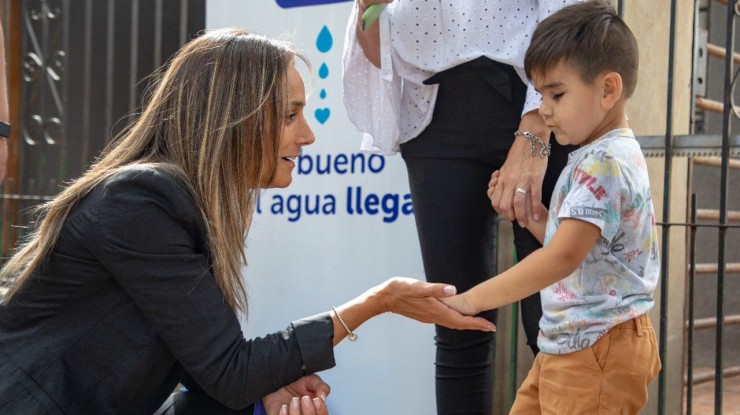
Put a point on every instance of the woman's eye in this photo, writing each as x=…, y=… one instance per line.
x=290, y=117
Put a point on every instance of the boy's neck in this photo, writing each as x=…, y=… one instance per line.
x=615, y=118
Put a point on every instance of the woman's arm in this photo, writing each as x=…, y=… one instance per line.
x=369, y=39
x=150, y=237
x=522, y=170
x=410, y=298
x=148, y=233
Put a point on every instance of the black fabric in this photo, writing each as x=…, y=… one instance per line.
x=194, y=401
x=126, y=305
x=449, y=166
x=501, y=77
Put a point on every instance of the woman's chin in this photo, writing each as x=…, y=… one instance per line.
x=280, y=183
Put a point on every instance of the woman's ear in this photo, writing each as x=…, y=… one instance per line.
x=612, y=89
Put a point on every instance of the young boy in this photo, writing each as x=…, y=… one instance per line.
x=599, y=265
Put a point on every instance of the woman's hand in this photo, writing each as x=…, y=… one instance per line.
x=408, y=297
x=522, y=170
x=306, y=396
x=420, y=301
x=364, y=4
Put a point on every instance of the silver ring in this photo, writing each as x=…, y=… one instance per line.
x=520, y=191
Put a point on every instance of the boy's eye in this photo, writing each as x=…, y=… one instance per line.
x=558, y=96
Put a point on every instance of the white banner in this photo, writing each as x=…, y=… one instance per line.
x=344, y=225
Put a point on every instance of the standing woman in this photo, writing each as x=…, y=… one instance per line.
x=131, y=282
x=443, y=83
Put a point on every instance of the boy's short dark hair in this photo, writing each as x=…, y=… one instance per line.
x=591, y=37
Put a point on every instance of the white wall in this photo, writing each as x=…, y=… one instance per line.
x=303, y=264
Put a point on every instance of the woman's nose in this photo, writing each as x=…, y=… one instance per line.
x=307, y=137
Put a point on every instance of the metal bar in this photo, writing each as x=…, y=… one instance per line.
x=724, y=189
x=133, y=68
x=666, y=210
x=720, y=52
x=713, y=214
x=733, y=267
x=62, y=97
x=513, y=343
x=690, y=328
x=707, y=377
x=699, y=225
x=709, y=322
x=688, y=141
x=109, y=61
x=715, y=161
x=707, y=104
x=157, y=33
x=87, y=68
x=9, y=196
x=183, y=22
x=694, y=145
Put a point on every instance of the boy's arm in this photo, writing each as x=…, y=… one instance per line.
x=568, y=248
x=537, y=227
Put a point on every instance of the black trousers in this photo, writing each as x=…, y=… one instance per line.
x=449, y=165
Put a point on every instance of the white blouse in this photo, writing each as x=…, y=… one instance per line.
x=419, y=38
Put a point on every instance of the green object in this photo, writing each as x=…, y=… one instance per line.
x=371, y=15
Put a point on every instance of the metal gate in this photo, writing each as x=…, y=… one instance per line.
x=77, y=70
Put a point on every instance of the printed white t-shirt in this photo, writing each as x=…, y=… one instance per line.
x=605, y=183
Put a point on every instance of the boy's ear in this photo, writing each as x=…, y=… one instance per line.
x=612, y=89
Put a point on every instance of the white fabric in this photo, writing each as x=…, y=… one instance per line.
x=419, y=38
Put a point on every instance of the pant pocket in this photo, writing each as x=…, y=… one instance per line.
x=601, y=351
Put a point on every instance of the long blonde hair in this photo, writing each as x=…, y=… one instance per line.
x=214, y=117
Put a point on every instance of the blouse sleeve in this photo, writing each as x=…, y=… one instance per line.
x=371, y=95
x=150, y=239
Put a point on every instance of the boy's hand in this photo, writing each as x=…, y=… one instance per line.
x=492, y=185
x=460, y=304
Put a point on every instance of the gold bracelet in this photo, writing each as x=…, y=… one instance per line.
x=350, y=335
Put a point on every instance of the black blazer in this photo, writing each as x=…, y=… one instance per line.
x=126, y=305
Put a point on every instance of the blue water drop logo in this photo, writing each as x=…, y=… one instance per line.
x=323, y=71
x=324, y=41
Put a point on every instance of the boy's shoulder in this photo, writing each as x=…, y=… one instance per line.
x=617, y=145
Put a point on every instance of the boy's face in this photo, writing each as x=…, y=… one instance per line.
x=571, y=107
